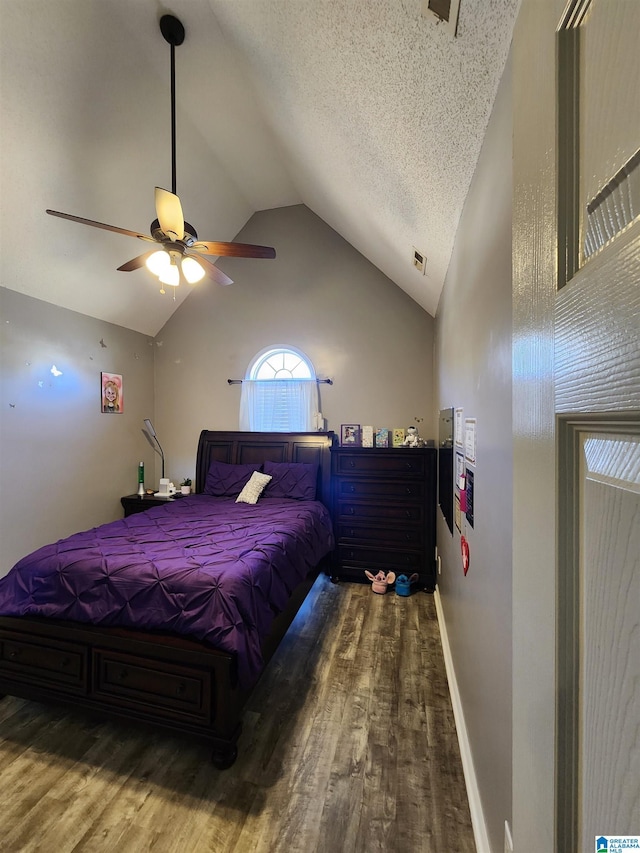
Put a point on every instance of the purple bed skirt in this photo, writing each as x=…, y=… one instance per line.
x=202, y=567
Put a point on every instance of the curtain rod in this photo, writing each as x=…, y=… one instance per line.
x=319, y=381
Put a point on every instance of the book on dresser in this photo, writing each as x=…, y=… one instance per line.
x=384, y=512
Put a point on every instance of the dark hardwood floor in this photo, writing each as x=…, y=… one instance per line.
x=358, y=754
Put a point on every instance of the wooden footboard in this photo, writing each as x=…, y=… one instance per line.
x=168, y=682
x=162, y=680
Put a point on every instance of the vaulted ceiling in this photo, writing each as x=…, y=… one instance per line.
x=368, y=111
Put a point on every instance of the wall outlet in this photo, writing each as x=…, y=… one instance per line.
x=508, y=841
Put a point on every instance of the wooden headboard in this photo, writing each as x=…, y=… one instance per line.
x=246, y=447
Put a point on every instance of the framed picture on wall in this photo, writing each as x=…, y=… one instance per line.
x=350, y=435
x=111, y=396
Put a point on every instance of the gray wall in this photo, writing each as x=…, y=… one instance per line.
x=473, y=357
x=319, y=295
x=63, y=464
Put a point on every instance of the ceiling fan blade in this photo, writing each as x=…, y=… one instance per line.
x=136, y=263
x=95, y=224
x=212, y=271
x=233, y=250
x=169, y=213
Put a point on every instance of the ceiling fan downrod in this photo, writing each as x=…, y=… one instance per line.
x=173, y=33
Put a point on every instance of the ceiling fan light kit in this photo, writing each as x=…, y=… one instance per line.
x=192, y=270
x=180, y=255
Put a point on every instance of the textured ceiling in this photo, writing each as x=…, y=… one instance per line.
x=366, y=111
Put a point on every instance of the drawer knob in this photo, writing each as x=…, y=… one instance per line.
x=351, y=531
x=409, y=490
x=409, y=513
x=123, y=675
x=352, y=464
x=14, y=653
x=409, y=465
x=65, y=662
x=352, y=488
x=180, y=689
x=351, y=511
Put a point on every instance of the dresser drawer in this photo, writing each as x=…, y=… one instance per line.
x=25, y=659
x=383, y=512
x=174, y=691
x=374, y=559
x=389, y=464
x=409, y=490
x=404, y=537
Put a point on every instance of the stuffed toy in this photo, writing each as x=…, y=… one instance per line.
x=412, y=439
x=403, y=583
x=381, y=581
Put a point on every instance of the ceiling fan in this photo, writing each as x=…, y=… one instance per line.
x=179, y=255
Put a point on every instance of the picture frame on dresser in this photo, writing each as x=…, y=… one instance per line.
x=382, y=437
x=367, y=436
x=350, y=435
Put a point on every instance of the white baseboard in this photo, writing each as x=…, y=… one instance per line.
x=473, y=793
x=508, y=841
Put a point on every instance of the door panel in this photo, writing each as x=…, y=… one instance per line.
x=609, y=682
x=598, y=119
x=597, y=325
x=610, y=95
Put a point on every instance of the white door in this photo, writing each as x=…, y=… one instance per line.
x=585, y=279
x=597, y=354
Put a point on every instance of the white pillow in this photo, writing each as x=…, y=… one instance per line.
x=254, y=488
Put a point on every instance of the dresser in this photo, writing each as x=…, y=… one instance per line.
x=384, y=512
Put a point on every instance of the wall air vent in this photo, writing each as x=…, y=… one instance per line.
x=446, y=12
x=419, y=261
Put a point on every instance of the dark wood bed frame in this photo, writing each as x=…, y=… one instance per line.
x=154, y=678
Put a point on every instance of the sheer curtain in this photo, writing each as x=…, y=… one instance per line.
x=279, y=405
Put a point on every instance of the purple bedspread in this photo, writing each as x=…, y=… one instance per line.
x=204, y=567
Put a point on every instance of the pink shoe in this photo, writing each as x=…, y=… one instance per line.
x=381, y=581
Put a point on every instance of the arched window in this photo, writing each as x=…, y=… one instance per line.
x=279, y=392
x=281, y=363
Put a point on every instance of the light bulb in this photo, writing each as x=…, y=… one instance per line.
x=170, y=275
x=192, y=270
x=157, y=262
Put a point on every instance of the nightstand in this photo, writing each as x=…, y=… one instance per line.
x=139, y=503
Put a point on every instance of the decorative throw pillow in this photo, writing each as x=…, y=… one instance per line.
x=253, y=489
x=295, y=480
x=225, y=480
